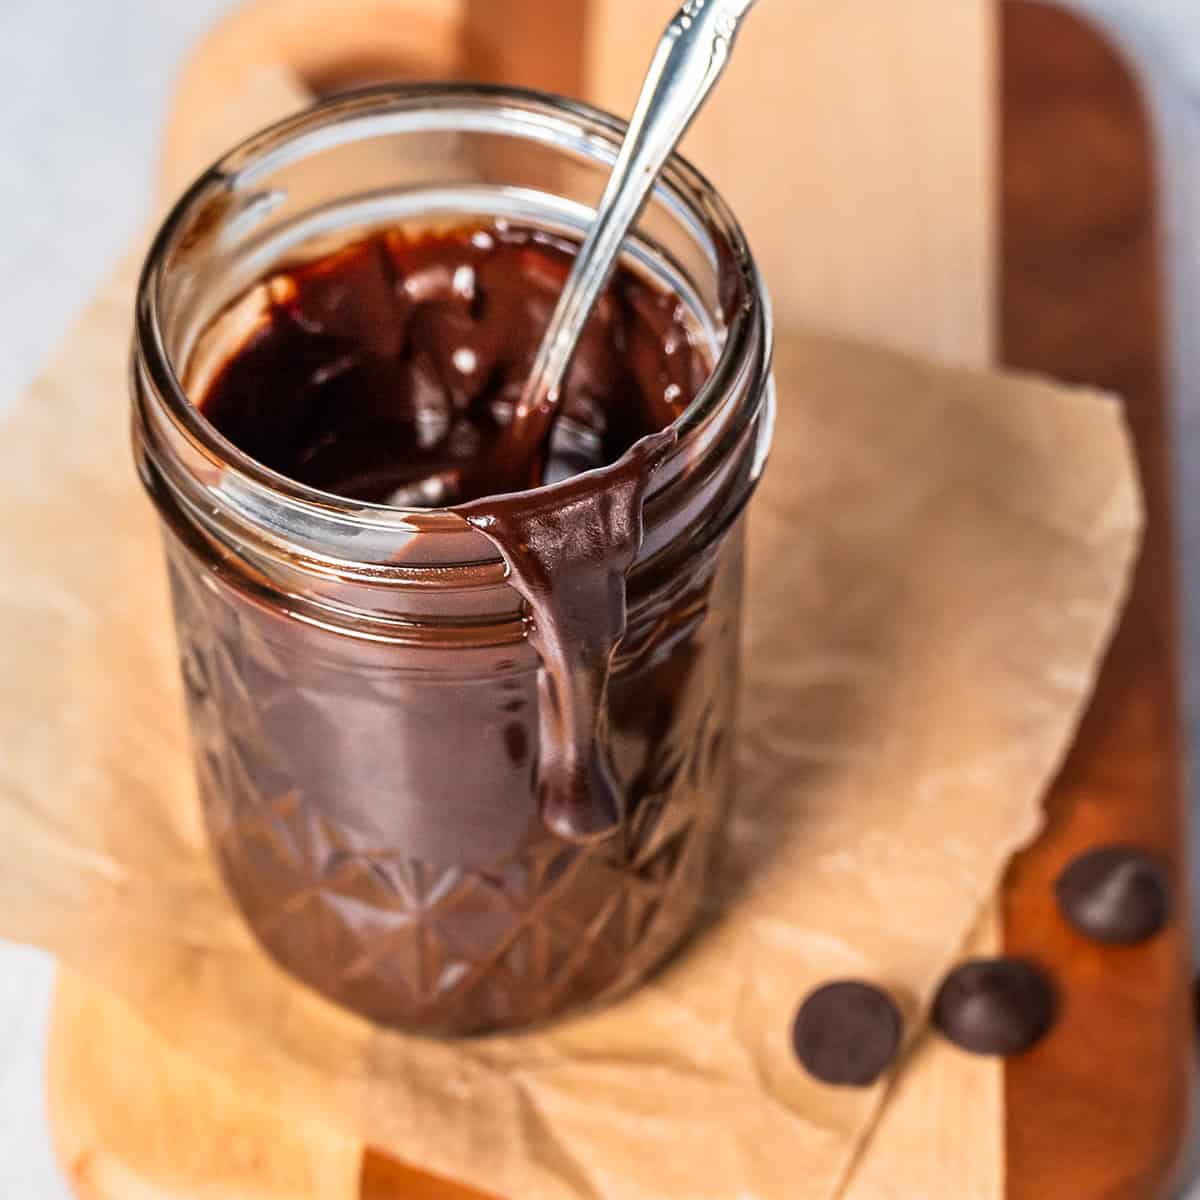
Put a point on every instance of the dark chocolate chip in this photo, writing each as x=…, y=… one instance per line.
x=848, y=1033
x=1116, y=894
x=994, y=1006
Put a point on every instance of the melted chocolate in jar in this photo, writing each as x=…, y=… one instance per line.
x=395, y=364
x=390, y=372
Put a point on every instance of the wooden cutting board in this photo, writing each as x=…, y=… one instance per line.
x=1099, y=1110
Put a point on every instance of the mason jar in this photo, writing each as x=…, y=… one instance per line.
x=361, y=688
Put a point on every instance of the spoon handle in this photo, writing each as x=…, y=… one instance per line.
x=690, y=58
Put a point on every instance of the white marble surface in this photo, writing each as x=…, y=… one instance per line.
x=85, y=86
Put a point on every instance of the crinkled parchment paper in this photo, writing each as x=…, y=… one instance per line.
x=937, y=561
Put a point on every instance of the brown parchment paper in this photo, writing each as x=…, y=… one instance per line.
x=937, y=559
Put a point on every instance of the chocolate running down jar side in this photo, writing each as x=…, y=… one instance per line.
x=360, y=680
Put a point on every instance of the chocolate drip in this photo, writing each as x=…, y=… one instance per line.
x=569, y=550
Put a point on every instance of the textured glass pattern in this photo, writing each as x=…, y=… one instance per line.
x=380, y=868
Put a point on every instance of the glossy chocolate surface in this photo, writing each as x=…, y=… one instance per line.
x=390, y=367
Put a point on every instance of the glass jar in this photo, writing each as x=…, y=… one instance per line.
x=361, y=689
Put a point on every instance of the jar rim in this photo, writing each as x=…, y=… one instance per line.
x=527, y=112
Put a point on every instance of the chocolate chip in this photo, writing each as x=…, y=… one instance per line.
x=847, y=1033
x=1116, y=894
x=994, y=1006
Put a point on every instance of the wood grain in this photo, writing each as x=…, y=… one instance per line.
x=324, y=45
x=383, y=1178
x=523, y=42
x=1099, y=1110
x=133, y=1119
x=853, y=139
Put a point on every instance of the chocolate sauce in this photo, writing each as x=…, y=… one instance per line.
x=568, y=551
x=463, y=830
x=455, y=785
x=391, y=370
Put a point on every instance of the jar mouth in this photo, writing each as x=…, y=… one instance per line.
x=683, y=190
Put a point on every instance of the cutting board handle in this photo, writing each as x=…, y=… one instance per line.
x=284, y=49
x=267, y=50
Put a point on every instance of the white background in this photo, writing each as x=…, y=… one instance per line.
x=83, y=87
x=85, y=84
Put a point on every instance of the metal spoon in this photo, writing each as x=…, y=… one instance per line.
x=691, y=57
